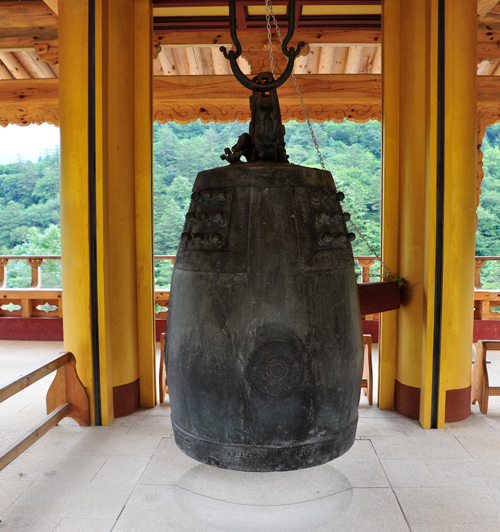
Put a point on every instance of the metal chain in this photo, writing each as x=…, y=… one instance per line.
x=269, y=11
x=269, y=14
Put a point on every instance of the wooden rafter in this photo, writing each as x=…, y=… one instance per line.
x=485, y=6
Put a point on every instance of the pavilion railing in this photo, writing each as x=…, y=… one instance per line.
x=36, y=301
x=65, y=397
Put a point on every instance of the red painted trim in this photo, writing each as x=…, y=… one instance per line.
x=457, y=405
x=371, y=327
x=126, y=398
x=31, y=329
x=51, y=329
x=407, y=400
x=486, y=330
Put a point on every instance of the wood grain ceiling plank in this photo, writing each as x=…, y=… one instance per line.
x=340, y=59
x=167, y=62
x=377, y=61
x=15, y=67
x=4, y=72
x=367, y=59
x=313, y=60
x=244, y=65
x=180, y=61
x=219, y=62
x=53, y=4
x=206, y=59
x=483, y=67
x=493, y=65
x=326, y=60
x=300, y=65
x=353, y=61
x=34, y=65
x=194, y=61
x=485, y=6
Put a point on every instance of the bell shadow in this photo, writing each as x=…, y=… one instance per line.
x=292, y=501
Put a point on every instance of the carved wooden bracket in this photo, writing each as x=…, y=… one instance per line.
x=49, y=54
x=67, y=388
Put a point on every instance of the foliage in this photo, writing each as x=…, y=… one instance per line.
x=29, y=192
x=37, y=242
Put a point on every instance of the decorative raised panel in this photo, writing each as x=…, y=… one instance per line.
x=185, y=113
x=490, y=50
x=31, y=114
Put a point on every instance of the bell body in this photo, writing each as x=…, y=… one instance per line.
x=264, y=343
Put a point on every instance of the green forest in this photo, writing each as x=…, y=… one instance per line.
x=29, y=192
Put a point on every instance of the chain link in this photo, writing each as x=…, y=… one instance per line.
x=269, y=15
x=269, y=12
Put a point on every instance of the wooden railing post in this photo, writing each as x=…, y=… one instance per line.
x=366, y=264
x=477, y=273
x=3, y=272
x=36, y=272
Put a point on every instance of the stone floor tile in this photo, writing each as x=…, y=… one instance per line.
x=66, y=468
x=174, y=509
x=10, y=491
x=168, y=465
x=447, y=506
x=8, y=437
x=160, y=425
x=122, y=470
x=97, y=440
x=378, y=426
x=264, y=489
x=53, y=498
x=432, y=444
x=408, y=473
x=29, y=523
x=484, y=446
x=438, y=528
x=473, y=425
x=68, y=524
x=152, y=508
x=465, y=473
x=481, y=528
x=361, y=466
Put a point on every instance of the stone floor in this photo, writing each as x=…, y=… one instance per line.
x=131, y=477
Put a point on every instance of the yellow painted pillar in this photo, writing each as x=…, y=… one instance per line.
x=459, y=209
x=431, y=377
x=73, y=117
x=123, y=202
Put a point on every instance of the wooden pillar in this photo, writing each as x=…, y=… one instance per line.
x=430, y=378
x=124, y=320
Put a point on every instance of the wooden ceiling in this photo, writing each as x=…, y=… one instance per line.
x=338, y=72
x=344, y=37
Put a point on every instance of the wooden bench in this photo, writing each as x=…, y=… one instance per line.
x=481, y=389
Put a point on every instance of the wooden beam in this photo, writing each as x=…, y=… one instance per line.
x=252, y=38
x=25, y=24
x=32, y=101
x=223, y=99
